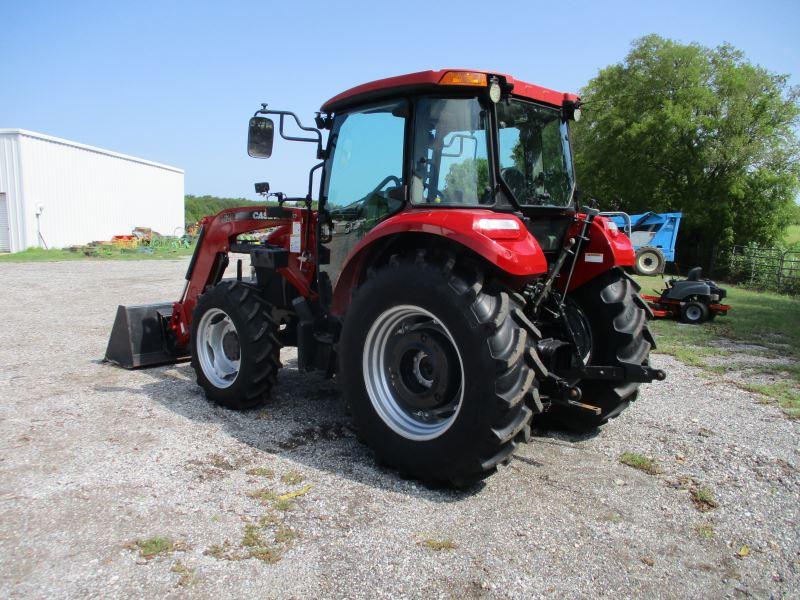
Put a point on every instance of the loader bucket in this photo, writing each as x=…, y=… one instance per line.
x=140, y=337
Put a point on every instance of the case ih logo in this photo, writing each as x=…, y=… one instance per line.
x=260, y=214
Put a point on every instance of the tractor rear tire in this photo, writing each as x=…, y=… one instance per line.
x=617, y=317
x=649, y=261
x=434, y=365
x=234, y=345
x=695, y=313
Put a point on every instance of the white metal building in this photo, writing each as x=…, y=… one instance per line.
x=80, y=193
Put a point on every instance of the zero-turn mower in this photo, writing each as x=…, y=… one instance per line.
x=691, y=300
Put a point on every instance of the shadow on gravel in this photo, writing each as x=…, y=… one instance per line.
x=304, y=421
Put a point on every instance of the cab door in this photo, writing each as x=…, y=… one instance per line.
x=363, y=181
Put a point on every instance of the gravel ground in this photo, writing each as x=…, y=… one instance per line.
x=93, y=458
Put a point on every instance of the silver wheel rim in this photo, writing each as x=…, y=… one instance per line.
x=648, y=262
x=218, y=348
x=693, y=313
x=381, y=380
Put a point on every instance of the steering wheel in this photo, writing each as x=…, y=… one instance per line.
x=384, y=181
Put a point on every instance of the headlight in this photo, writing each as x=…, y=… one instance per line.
x=495, y=92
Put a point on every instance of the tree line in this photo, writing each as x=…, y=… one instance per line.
x=197, y=207
x=703, y=131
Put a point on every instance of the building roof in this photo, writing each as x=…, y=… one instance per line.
x=431, y=79
x=56, y=140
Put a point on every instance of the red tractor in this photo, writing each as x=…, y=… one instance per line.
x=446, y=277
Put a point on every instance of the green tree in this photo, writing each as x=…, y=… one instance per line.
x=197, y=207
x=677, y=127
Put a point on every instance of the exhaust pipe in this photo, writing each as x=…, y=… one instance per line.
x=141, y=337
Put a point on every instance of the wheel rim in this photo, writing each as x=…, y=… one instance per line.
x=218, y=348
x=693, y=313
x=648, y=262
x=581, y=329
x=413, y=372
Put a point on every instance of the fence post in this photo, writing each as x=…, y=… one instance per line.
x=780, y=268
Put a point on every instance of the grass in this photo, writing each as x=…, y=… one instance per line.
x=261, y=472
x=255, y=543
x=185, y=574
x=281, y=502
x=703, y=499
x=154, y=546
x=764, y=319
x=291, y=478
x=640, y=462
x=252, y=537
x=284, y=535
x=792, y=235
x=439, y=545
x=705, y=531
x=264, y=495
x=102, y=253
x=224, y=551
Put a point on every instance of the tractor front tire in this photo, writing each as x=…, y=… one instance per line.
x=234, y=348
x=649, y=261
x=434, y=365
x=617, y=318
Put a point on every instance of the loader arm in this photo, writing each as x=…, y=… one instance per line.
x=217, y=237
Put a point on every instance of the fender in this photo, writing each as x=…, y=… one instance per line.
x=513, y=250
x=608, y=247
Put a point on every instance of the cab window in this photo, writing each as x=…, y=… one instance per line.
x=450, y=157
x=365, y=173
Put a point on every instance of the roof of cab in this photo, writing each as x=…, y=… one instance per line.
x=375, y=90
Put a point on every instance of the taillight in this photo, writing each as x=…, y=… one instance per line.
x=498, y=228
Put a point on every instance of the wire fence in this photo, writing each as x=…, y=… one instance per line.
x=772, y=269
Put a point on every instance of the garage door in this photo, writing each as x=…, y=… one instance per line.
x=5, y=235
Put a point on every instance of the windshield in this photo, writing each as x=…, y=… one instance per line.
x=535, y=158
x=450, y=153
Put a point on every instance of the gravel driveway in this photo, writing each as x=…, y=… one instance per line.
x=284, y=502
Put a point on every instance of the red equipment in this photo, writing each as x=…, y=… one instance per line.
x=447, y=277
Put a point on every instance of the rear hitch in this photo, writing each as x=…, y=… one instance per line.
x=559, y=391
x=633, y=373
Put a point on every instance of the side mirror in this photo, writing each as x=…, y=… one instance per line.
x=260, y=134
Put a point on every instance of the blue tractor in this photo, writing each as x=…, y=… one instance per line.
x=653, y=237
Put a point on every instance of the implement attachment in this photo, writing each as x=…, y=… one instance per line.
x=141, y=337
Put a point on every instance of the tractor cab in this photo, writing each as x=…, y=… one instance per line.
x=442, y=140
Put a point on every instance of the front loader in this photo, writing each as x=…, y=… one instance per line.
x=446, y=277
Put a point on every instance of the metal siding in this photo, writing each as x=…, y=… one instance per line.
x=89, y=195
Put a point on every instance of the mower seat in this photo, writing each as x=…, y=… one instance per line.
x=694, y=274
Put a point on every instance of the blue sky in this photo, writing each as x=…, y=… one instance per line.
x=176, y=82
